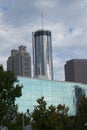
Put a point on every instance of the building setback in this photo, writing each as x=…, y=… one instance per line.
x=76, y=70
x=42, y=54
x=20, y=62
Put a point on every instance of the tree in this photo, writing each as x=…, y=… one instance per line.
x=81, y=116
x=39, y=115
x=8, y=93
x=50, y=118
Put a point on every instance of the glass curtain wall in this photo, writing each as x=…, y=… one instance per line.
x=54, y=92
x=42, y=54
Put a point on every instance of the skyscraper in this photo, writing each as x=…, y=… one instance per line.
x=42, y=54
x=76, y=70
x=20, y=62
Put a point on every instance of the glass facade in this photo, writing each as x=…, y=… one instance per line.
x=54, y=92
x=42, y=54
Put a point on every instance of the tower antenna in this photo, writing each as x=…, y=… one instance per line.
x=42, y=19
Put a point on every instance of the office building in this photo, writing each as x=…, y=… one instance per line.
x=76, y=70
x=20, y=62
x=54, y=93
x=42, y=54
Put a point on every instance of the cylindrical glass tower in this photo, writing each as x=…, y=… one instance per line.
x=42, y=54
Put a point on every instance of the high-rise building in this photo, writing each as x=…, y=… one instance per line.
x=20, y=62
x=42, y=54
x=76, y=70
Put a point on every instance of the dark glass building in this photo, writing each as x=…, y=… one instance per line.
x=42, y=54
x=76, y=70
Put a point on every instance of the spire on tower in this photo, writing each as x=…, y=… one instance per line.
x=42, y=19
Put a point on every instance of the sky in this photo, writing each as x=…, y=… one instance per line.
x=66, y=19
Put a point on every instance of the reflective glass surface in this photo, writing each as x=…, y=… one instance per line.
x=54, y=92
x=42, y=54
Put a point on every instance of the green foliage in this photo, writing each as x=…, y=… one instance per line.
x=81, y=116
x=50, y=118
x=57, y=118
x=17, y=124
x=8, y=94
x=39, y=115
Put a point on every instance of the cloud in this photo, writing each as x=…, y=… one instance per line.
x=58, y=65
x=3, y=61
x=45, y=4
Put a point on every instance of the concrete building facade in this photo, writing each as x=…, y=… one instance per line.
x=20, y=62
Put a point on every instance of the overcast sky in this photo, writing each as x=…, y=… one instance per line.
x=66, y=19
